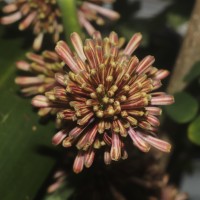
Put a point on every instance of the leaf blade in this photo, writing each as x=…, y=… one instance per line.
x=23, y=168
x=184, y=109
x=194, y=131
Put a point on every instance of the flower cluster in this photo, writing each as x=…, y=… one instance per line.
x=89, y=12
x=45, y=17
x=39, y=75
x=107, y=96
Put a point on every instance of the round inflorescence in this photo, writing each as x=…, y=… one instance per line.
x=92, y=11
x=44, y=17
x=39, y=75
x=106, y=97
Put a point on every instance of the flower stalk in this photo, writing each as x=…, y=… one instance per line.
x=69, y=17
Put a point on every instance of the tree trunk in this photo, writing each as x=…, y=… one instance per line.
x=189, y=53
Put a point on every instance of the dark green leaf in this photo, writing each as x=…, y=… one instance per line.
x=174, y=19
x=184, y=109
x=194, y=131
x=23, y=141
x=194, y=73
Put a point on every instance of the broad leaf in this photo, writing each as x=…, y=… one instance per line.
x=24, y=142
x=184, y=109
x=194, y=131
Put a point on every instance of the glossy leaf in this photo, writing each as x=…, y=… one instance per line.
x=194, y=131
x=24, y=142
x=184, y=109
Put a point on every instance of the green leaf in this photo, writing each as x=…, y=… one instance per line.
x=174, y=19
x=194, y=131
x=23, y=141
x=194, y=73
x=184, y=109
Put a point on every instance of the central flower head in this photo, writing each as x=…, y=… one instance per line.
x=107, y=94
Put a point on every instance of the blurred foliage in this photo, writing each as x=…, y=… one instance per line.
x=174, y=20
x=185, y=134
x=184, y=109
x=160, y=37
x=194, y=131
x=186, y=105
x=25, y=144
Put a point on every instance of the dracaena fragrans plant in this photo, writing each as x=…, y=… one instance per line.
x=44, y=17
x=107, y=97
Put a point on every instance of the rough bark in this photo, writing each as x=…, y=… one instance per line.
x=189, y=53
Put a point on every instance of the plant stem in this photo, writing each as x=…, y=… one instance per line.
x=69, y=17
x=189, y=53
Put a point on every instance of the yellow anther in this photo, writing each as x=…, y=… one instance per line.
x=113, y=64
x=124, y=114
x=107, y=125
x=127, y=125
x=110, y=111
x=99, y=113
x=116, y=103
x=105, y=99
x=97, y=144
x=95, y=108
x=111, y=101
x=132, y=120
x=123, y=98
x=72, y=76
x=126, y=77
x=93, y=72
x=109, y=78
x=126, y=88
x=99, y=90
x=110, y=93
x=93, y=95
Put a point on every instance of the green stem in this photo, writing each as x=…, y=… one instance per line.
x=69, y=17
